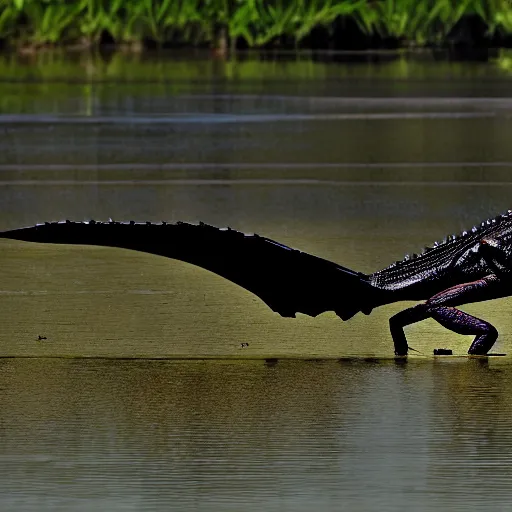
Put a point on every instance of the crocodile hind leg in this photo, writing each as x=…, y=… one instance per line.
x=462, y=323
x=440, y=308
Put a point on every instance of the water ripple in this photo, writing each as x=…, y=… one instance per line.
x=14, y=119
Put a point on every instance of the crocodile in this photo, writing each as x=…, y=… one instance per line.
x=473, y=266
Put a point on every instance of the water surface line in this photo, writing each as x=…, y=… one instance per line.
x=245, y=165
x=251, y=182
x=207, y=118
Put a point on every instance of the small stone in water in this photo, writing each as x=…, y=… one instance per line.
x=442, y=352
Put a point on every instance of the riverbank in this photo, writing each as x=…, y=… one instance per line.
x=228, y=25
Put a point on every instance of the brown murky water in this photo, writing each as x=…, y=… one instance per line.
x=356, y=163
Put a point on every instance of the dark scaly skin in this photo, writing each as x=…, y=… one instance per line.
x=471, y=267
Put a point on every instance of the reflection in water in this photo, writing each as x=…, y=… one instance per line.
x=473, y=409
x=220, y=436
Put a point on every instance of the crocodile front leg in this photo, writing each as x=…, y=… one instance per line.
x=400, y=320
x=440, y=308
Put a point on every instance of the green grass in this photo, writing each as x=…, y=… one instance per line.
x=253, y=23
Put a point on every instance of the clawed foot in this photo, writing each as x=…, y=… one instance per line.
x=401, y=347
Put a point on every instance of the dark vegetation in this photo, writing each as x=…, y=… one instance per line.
x=226, y=25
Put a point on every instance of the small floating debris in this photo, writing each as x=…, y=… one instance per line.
x=244, y=345
x=40, y=338
x=443, y=352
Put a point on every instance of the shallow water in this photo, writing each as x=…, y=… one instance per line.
x=160, y=435
x=358, y=163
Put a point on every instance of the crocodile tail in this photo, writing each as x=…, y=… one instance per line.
x=289, y=281
x=360, y=296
